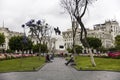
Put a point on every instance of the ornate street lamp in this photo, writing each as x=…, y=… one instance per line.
x=24, y=41
x=24, y=36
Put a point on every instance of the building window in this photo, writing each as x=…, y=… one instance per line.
x=61, y=46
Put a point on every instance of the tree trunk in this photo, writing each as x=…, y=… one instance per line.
x=92, y=58
x=84, y=41
x=39, y=49
x=74, y=51
x=74, y=30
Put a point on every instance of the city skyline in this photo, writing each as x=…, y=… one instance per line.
x=14, y=13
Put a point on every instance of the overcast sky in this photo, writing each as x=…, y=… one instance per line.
x=14, y=13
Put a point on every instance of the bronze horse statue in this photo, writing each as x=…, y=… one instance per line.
x=57, y=31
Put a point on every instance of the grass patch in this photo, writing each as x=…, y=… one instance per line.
x=84, y=63
x=23, y=64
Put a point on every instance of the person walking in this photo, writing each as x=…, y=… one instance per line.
x=47, y=58
x=70, y=60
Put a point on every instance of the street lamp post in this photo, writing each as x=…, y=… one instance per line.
x=24, y=41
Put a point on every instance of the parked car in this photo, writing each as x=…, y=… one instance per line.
x=114, y=54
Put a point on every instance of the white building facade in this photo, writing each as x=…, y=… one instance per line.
x=8, y=34
x=68, y=38
x=55, y=43
x=105, y=37
x=111, y=27
x=106, y=32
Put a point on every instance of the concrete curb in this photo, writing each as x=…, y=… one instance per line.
x=37, y=69
x=93, y=70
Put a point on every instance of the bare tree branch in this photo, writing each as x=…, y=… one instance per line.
x=86, y=3
x=76, y=10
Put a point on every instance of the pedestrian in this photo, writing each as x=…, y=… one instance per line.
x=52, y=56
x=47, y=58
x=70, y=60
x=66, y=55
x=61, y=54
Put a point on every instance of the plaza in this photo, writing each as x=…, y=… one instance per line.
x=38, y=40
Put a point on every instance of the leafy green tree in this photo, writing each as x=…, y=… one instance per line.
x=102, y=49
x=20, y=43
x=69, y=50
x=9, y=51
x=2, y=38
x=94, y=42
x=78, y=49
x=44, y=48
x=16, y=43
x=35, y=48
x=117, y=42
x=112, y=49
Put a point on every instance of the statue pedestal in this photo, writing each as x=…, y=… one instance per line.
x=59, y=44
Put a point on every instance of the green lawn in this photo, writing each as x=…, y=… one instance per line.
x=24, y=64
x=83, y=63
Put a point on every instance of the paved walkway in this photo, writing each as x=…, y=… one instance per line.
x=57, y=70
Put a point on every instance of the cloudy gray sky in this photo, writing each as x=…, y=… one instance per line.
x=14, y=13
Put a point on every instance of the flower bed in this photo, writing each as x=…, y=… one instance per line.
x=14, y=56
